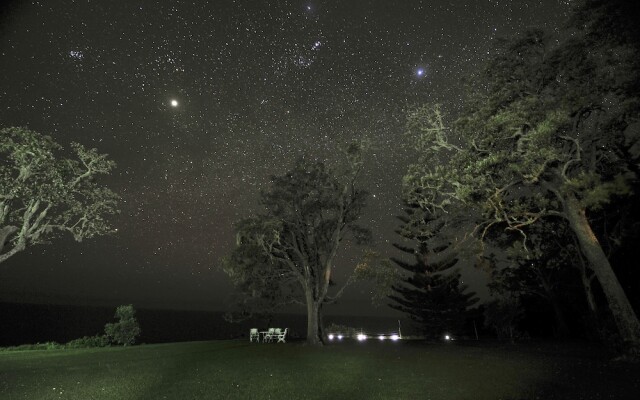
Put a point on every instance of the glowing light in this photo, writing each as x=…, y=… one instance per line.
x=362, y=336
x=447, y=337
x=330, y=336
x=174, y=103
x=420, y=72
x=395, y=337
x=381, y=337
x=339, y=337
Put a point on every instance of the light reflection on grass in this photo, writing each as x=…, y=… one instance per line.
x=239, y=370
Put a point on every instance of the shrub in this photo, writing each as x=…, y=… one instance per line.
x=36, y=346
x=88, y=342
x=126, y=329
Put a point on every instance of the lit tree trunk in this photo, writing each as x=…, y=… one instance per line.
x=586, y=283
x=321, y=330
x=623, y=314
x=313, y=310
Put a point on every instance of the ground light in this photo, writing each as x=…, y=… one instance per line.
x=362, y=337
x=447, y=337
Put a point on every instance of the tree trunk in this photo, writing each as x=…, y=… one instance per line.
x=313, y=309
x=586, y=282
x=321, y=331
x=623, y=314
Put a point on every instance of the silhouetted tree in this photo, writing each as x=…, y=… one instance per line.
x=432, y=294
x=287, y=252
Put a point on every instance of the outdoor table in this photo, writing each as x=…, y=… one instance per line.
x=264, y=335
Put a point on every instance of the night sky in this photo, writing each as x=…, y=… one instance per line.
x=199, y=103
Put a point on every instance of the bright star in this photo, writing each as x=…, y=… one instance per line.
x=174, y=103
x=420, y=72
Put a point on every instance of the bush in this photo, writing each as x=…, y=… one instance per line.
x=126, y=329
x=88, y=342
x=36, y=346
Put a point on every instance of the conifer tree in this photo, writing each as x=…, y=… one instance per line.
x=432, y=294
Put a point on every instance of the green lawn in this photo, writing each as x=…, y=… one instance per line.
x=239, y=370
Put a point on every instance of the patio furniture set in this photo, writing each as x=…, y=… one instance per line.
x=268, y=336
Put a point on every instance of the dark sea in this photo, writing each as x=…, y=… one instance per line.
x=38, y=323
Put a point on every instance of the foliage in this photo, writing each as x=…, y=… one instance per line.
x=546, y=135
x=36, y=346
x=43, y=194
x=378, y=271
x=89, y=342
x=126, y=330
x=536, y=132
x=84, y=342
x=502, y=315
x=286, y=254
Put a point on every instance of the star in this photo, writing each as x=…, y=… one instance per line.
x=174, y=103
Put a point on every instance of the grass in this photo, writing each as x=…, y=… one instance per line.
x=239, y=370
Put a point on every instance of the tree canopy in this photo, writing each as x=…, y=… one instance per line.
x=287, y=253
x=546, y=135
x=44, y=194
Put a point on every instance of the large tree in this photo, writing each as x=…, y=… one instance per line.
x=287, y=252
x=546, y=135
x=44, y=194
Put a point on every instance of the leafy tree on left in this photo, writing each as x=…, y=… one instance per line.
x=43, y=194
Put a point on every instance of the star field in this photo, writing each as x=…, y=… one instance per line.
x=200, y=102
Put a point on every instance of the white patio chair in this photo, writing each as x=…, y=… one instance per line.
x=282, y=335
x=268, y=337
x=253, y=334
